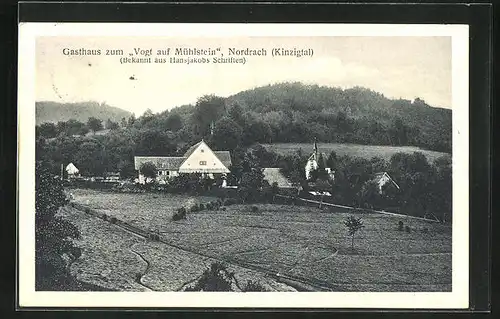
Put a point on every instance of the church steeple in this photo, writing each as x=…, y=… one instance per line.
x=315, y=149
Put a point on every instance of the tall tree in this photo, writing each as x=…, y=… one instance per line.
x=149, y=170
x=227, y=134
x=110, y=125
x=52, y=234
x=208, y=110
x=47, y=130
x=174, y=122
x=94, y=124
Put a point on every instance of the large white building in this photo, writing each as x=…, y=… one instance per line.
x=199, y=158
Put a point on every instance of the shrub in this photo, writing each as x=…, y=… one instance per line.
x=202, y=206
x=223, y=209
x=87, y=210
x=76, y=252
x=179, y=214
x=215, y=204
x=253, y=286
x=407, y=229
x=400, y=226
x=195, y=208
x=154, y=237
x=113, y=220
x=231, y=201
x=255, y=209
x=138, y=277
x=215, y=278
x=425, y=230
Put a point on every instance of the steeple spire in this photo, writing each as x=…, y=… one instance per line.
x=315, y=149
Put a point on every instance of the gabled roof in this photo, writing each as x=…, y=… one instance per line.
x=378, y=178
x=161, y=162
x=272, y=175
x=323, y=155
x=193, y=148
x=224, y=157
x=71, y=169
x=174, y=163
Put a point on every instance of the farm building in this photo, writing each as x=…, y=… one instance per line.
x=199, y=158
x=72, y=171
x=383, y=179
x=273, y=175
x=313, y=162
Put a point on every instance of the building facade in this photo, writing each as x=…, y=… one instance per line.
x=199, y=158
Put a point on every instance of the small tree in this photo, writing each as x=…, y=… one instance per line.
x=215, y=278
x=353, y=225
x=94, y=124
x=148, y=169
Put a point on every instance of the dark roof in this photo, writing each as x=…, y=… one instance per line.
x=173, y=163
x=159, y=161
x=324, y=156
x=224, y=157
x=272, y=174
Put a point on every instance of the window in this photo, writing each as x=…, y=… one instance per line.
x=203, y=162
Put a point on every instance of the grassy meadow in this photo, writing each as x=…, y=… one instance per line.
x=355, y=150
x=299, y=241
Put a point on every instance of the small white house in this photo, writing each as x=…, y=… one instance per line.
x=72, y=170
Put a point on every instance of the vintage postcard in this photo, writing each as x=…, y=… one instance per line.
x=243, y=165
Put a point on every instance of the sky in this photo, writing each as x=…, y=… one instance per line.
x=398, y=67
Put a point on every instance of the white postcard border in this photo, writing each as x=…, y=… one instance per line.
x=28, y=297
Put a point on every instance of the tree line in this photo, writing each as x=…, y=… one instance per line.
x=73, y=127
x=425, y=189
x=228, y=124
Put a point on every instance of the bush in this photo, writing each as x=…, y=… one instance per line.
x=76, y=252
x=87, y=210
x=154, y=237
x=104, y=217
x=230, y=201
x=215, y=278
x=179, y=214
x=407, y=229
x=202, y=206
x=425, y=230
x=253, y=286
x=113, y=220
x=194, y=208
x=215, y=204
x=223, y=209
x=255, y=209
x=138, y=277
x=400, y=226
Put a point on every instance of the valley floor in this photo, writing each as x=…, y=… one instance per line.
x=285, y=248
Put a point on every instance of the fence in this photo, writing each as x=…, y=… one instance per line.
x=114, y=220
x=345, y=209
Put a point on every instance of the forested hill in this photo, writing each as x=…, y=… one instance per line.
x=54, y=112
x=356, y=115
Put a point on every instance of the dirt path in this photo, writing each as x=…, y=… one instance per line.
x=148, y=266
x=298, y=282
